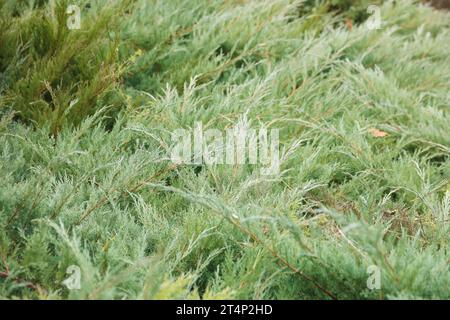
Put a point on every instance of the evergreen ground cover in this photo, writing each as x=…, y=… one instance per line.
x=86, y=118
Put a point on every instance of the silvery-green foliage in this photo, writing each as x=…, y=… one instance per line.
x=103, y=195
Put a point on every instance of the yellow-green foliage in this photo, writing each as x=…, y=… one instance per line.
x=50, y=73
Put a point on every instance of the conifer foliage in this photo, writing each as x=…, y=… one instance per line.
x=92, y=207
x=52, y=74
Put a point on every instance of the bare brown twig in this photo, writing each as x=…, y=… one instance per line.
x=30, y=285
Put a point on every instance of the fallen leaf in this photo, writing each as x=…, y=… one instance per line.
x=377, y=133
x=349, y=24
